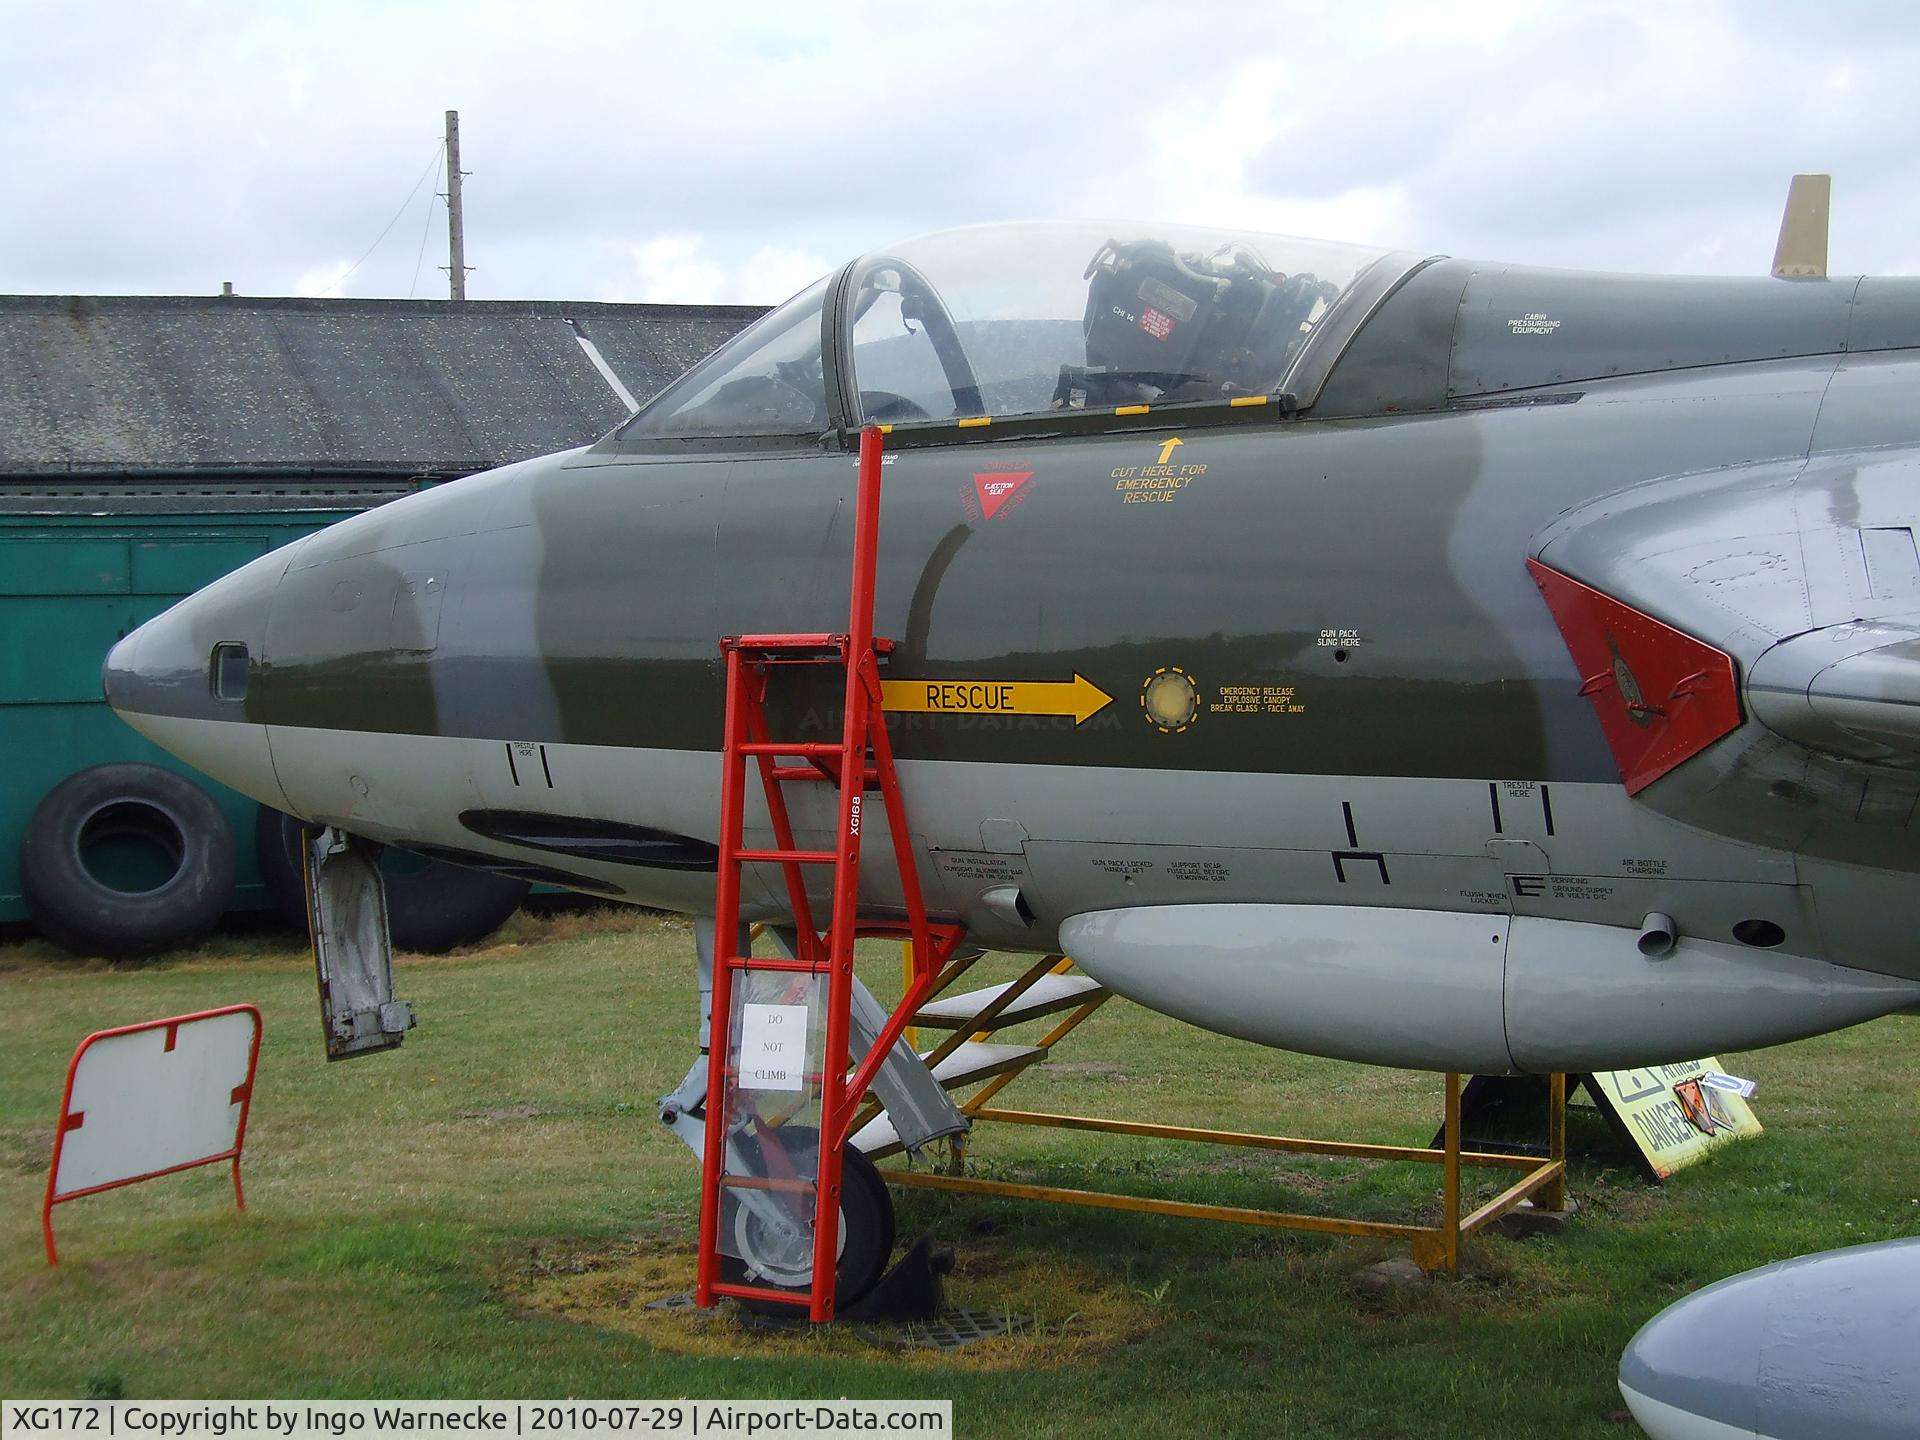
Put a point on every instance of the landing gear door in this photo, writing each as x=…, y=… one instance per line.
x=352, y=950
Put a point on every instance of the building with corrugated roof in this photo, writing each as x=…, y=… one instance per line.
x=148, y=445
x=117, y=389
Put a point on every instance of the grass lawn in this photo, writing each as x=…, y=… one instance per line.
x=486, y=1212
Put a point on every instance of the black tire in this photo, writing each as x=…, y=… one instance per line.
x=866, y=1232
x=162, y=823
x=276, y=850
x=432, y=905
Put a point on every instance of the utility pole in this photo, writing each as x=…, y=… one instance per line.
x=456, y=231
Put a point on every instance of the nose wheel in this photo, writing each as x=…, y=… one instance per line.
x=771, y=1244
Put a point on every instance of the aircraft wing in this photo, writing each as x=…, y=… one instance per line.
x=1850, y=689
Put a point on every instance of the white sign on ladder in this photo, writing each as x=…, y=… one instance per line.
x=150, y=1099
x=773, y=1047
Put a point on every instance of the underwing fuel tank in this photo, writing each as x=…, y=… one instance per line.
x=1475, y=994
x=1809, y=1349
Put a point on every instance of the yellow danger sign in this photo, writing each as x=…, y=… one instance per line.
x=1078, y=697
x=1677, y=1114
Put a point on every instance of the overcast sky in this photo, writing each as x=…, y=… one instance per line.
x=732, y=151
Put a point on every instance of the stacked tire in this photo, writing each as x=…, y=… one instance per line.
x=167, y=821
x=126, y=860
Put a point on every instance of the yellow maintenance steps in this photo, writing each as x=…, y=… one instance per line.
x=1052, y=987
x=968, y=1057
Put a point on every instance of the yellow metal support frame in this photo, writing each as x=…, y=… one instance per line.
x=1435, y=1247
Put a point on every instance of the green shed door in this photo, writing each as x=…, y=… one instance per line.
x=63, y=604
x=180, y=567
x=65, y=567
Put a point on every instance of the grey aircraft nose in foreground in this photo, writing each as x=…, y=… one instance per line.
x=1423, y=662
x=1818, y=1348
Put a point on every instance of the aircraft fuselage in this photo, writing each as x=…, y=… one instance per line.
x=1330, y=681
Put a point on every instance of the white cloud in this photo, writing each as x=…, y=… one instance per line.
x=685, y=269
x=323, y=281
x=670, y=269
x=777, y=272
x=733, y=143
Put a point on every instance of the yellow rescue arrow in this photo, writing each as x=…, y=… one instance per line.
x=1078, y=697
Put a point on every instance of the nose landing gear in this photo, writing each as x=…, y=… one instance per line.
x=766, y=1223
x=767, y=1235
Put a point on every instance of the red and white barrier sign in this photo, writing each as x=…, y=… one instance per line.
x=151, y=1099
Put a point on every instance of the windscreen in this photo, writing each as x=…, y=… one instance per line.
x=767, y=380
x=1026, y=319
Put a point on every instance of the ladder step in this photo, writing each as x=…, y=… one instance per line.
x=791, y=641
x=776, y=963
x=786, y=857
x=801, y=750
x=760, y=1292
x=785, y=1184
x=1046, y=996
x=806, y=772
x=836, y=644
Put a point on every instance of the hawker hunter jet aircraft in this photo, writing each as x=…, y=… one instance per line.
x=1412, y=660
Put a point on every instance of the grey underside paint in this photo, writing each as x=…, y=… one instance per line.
x=1818, y=1348
x=1066, y=836
x=1541, y=974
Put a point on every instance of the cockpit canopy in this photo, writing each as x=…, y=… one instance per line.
x=1018, y=320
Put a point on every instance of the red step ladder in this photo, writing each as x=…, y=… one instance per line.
x=860, y=763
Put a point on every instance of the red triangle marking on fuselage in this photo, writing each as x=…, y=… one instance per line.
x=996, y=487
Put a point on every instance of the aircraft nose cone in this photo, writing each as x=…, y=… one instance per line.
x=195, y=659
x=119, y=677
x=183, y=678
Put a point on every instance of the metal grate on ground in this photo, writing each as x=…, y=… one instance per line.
x=950, y=1330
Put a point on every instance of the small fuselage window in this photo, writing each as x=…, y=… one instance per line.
x=228, y=671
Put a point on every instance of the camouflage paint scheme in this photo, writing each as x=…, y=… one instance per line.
x=1387, y=743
